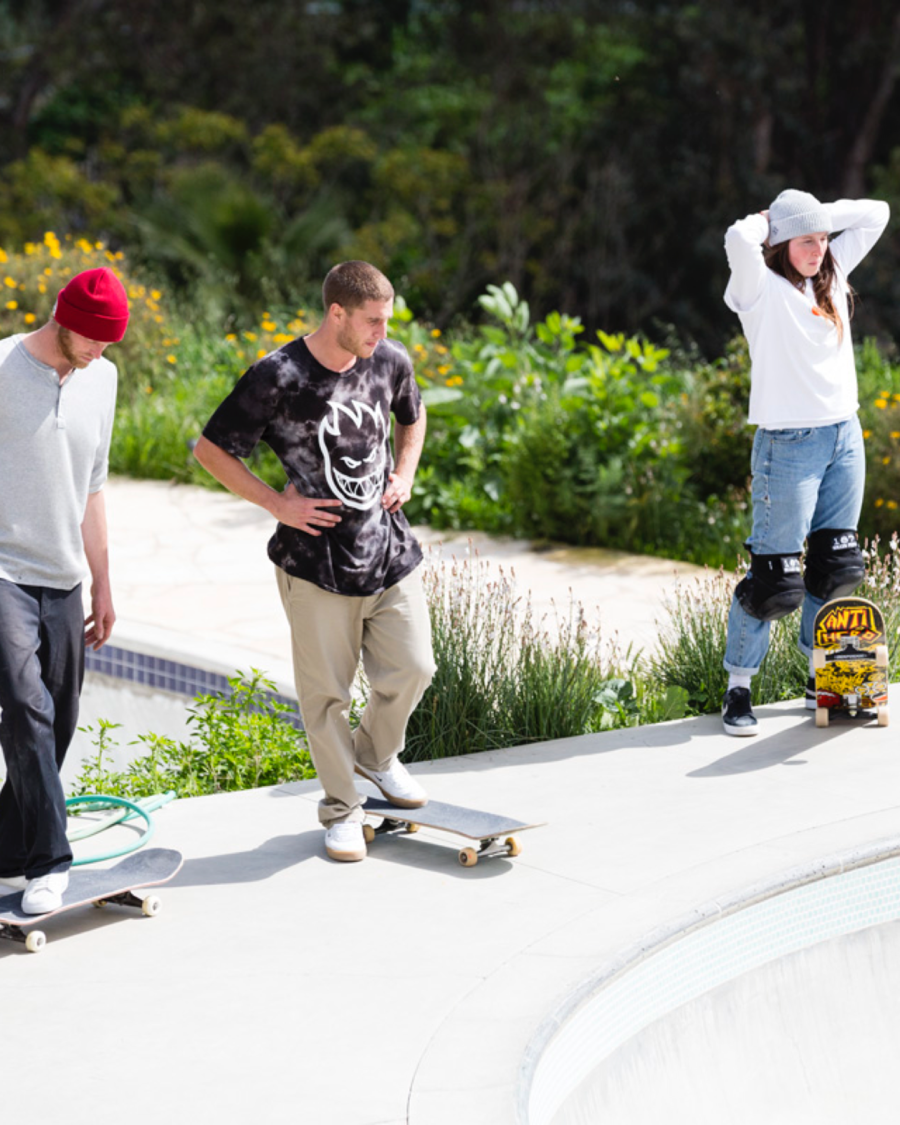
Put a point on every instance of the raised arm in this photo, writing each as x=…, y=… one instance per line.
x=861, y=223
x=744, y=247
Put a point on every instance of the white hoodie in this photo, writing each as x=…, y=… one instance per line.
x=803, y=373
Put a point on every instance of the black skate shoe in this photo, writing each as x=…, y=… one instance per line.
x=737, y=715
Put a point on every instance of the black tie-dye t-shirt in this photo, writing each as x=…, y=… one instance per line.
x=331, y=432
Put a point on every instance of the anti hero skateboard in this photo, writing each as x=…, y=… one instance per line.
x=850, y=658
x=99, y=887
x=493, y=834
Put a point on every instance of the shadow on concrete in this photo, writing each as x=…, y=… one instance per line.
x=276, y=854
x=781, y=749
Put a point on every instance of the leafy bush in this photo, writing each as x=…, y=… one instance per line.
x=33, y=276
x=879, y=395
x=241, y=740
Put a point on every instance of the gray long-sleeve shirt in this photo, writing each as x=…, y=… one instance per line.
x=54, y=452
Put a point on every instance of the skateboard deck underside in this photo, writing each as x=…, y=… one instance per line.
x=850, y=659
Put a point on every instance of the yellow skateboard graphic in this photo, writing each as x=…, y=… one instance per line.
x=850, y=658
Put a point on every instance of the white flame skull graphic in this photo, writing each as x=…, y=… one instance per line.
x=352, y=439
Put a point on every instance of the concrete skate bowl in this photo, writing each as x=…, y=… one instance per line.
x=781, y=1005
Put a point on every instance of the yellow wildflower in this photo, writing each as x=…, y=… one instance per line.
x=879, y=503
x=880, y=403
x=268, y=325
x=435, y=332
x=171, y=359
x=867, y=433
x=8, y=281
x=30, y=318
x=251, y=336
x=892, y=504
x=155, y=294
x=12, y=304
x=260, y=353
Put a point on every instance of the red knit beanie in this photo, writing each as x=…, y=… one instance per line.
x=94, y=304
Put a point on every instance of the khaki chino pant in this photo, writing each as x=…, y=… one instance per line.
x=329, y=633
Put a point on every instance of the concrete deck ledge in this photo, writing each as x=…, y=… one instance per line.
x=277, y=986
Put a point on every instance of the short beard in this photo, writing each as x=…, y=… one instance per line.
x=63, y=337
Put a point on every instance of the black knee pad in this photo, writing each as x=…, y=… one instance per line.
x=834, y=563
x=773, y=587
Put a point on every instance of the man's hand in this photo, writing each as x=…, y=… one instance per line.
x=99, y=625
x=397, y=493
x=305, y=513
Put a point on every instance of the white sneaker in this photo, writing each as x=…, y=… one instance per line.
x=45, y=893
x=344, y=840
x=397, y=784
x=12, y=883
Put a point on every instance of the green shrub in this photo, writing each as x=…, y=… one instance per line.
x=243, y=739
x=33, y=276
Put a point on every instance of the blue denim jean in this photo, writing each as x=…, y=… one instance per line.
x=41, y=672
x=803, y=480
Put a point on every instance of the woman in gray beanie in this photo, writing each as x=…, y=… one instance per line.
x=789, y=287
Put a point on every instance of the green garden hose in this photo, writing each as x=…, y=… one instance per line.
x=126, y=810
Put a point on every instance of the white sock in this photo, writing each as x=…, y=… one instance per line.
x=738, y=681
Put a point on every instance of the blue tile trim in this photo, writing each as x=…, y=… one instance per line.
x=166, y=675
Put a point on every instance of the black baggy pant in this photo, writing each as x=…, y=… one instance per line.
x=41, y=673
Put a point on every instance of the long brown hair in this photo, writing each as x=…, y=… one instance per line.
x=777, y=258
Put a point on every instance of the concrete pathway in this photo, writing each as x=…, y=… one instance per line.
x=193, y=561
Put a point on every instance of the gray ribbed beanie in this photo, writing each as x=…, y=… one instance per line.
x=794, y=213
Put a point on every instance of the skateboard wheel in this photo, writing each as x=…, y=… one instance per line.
x=468, y=857
x=151, y=906
x=368, y=833
x=513, y=846
x=413, y=828
x=35, y=941
x=821, y=716
x=884, y=716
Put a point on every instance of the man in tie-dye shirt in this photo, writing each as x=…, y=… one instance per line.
x=346, y=560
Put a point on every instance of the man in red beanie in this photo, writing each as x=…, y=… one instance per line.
x=59, y=395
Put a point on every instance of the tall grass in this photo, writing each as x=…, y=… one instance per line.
x=506, y=677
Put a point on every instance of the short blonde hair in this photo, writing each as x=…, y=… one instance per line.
x=351, y=284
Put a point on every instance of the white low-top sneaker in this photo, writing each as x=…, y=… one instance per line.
x=345, y=841
x=45, y=893
x=397, y=784
x=12, y=883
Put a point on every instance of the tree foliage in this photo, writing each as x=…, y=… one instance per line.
x=591, y=151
